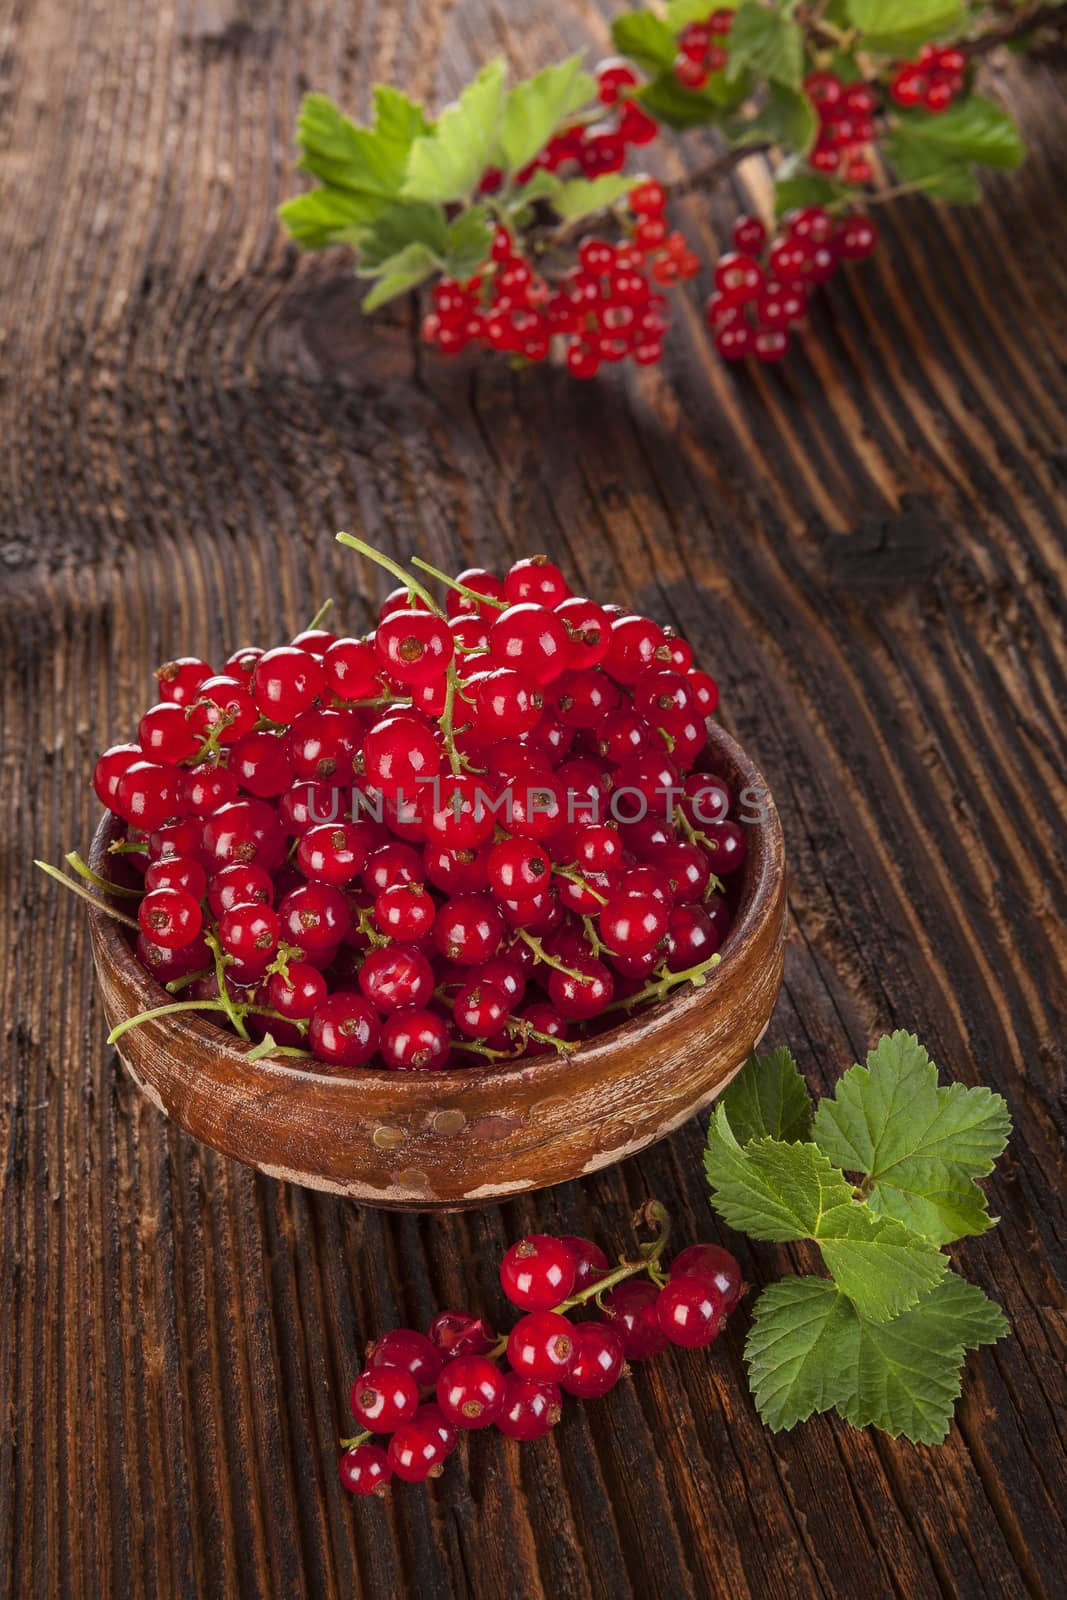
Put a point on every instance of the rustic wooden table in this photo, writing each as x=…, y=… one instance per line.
x=868, y=548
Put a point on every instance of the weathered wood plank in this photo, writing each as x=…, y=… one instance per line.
x=868, y=547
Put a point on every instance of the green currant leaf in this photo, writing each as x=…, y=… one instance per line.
x=410, y=267
x=769, y=1189
x=769, y=1099
x=800, y=1350
x=777, y=1191
x=361, y=169
x=327, y=216
x=446, y=164
x=767, y=41
x=787, y=118
x=467, y=245
x=643, y=37
x=908, y=1372
x=919, y=1146
x=541, y=185
x=681, y=12
x=810, y=1349
x=937, y=152
x=899, y=27
x=401, y=223
x=796, y=185
x=581, y=197
x=537, y=108
x=880, y=1264
x=669, y=103
x=368, y=160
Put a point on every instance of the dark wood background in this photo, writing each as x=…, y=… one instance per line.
x=867, y=547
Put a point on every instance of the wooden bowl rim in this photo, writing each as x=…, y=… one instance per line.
x=409, y=1089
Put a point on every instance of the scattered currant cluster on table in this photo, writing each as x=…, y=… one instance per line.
x=424, y=1389
x=761, y=292
x=483, y=830
x=517, y=205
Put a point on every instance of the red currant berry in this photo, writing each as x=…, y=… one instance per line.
x=110, y=768
x=536, y=581
x=631, y=1311
x=470, y=1392
x=249, y=933
x=506, y=704
x=545, y=1020
x=538, y=1272
x=344, y=1029
x=314, y=916
x=738, y=277
x=713, y=1262
x=857, y=237
x=598, y=1362
x=405, y=912
x=247, y=831
x=726, y=847
x=169, y=917
x=396, y=977
x=632, y=924
x=166, y=735
x=541, y=1346
x=179, y=680
x=690, y=1311
x=636, y=646
x=409, y=1350
x=824, y=88
x=400, y=752
x=518, y=869
x=350, y=669
x=365, y=1470
x=480, y=1010
x=529, y=1410
x=689, y=73
x=648, y=198
x=414, y=646
x=296, y=995
x=415, y=1040
x=531, y=639
x=384, y=1397
x=583, y=990
x=733, y=340
x=240, y=884
x=771, y=344
x=468, y=929
x=260, y=764
x=691, y=938
x=416, y=1450
x=285, y=682
x=750, y=236
x=458, y=1333
x=482, y=584
x=147, y=794
x=178, y=872
x=590, y=1261
x=333, y=852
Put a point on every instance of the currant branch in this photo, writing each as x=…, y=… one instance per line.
x=517, y=206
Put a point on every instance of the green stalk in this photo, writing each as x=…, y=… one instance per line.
x=391, y=566
x=460, y=588
x=76, y=888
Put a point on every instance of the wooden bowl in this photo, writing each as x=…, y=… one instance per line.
x=468, y=1137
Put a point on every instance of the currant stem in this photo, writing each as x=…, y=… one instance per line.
x=357, y=1438
x=574, y=876
x=657, y=1215
x=321, y=614
x=460, y=588
x=550, y=961
x=76, y=888
x=231, y=1010
x=447, y=731
x=176, y=985
x=163, y=1011
x=75, y=862
x=391, y=566
x=667, y=981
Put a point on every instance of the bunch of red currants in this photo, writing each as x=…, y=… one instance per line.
x=482, y=830
x=424, y=1390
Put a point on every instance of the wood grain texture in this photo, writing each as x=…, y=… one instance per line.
x=868, y=546
x=446, y=1140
